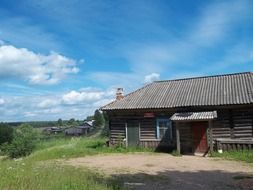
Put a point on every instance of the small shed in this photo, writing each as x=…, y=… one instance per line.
x=52, y=130
x=78, y=130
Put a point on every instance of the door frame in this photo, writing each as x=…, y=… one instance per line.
x=139, y=127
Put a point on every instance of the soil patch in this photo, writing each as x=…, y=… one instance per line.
x=163, y=171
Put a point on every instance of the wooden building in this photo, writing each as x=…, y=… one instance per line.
x=190, y=115
x=78, y=130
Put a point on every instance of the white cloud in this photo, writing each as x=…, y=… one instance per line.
x=75, y=97
x=47, y=103
x=34, y=68
x=29, y=114
x=151, y=77
x=2, y=101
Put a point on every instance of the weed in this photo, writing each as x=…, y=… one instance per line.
x=175, y=153
x=242, y=155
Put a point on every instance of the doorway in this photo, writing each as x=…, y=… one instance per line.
x=199, y=137
x=133, y=133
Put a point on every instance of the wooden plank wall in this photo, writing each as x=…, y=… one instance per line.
x=118, y=125
x=243, y=123
x=235, y=144
x=236, y=123
x=221, y=126
x=149, y=143
x=117, y=130
x=186, y=139
x=148, y=128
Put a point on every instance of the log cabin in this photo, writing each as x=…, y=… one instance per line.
x=191, y=115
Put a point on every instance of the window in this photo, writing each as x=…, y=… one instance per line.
x=164, y=129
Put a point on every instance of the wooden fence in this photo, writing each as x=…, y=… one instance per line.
x=234, y=144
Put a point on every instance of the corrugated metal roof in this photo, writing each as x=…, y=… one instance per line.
x=192, y=116
x=216, y=90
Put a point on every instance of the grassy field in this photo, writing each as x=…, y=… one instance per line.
x=245, y=155
x=40, y=171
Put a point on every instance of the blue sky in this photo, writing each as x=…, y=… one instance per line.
x=64, y=59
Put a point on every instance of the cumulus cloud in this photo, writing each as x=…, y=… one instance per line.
x=2, y=101
x=75, y=97
x=151, y=77
x=34, y=68
x=47, y=103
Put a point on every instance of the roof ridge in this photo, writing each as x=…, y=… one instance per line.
x=199, y=77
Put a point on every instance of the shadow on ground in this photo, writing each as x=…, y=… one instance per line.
x=176, y=180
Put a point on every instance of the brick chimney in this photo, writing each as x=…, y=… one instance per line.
x=119, y=94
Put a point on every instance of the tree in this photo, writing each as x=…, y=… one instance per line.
x=6, y=133
x=89, y=118
x=59, y=122
x=72, y=122
x=24, y=141
x=99, y=120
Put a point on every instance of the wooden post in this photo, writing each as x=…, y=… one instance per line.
x=178, y=138
x=210, y=126
x=231, y=123
x=126, y=134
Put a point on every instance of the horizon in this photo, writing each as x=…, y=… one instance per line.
x=66, y=59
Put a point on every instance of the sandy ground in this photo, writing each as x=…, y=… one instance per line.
x=163, y=171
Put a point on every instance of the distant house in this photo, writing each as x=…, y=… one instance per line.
x=80, y=130
x=190, y=115
x=52, y=130
x=88, y=123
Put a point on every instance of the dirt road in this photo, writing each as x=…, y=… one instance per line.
x=163, y=171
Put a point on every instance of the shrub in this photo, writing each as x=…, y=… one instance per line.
x=23, y=142
x=99, y=120
x=105, y=131
x=6, y=133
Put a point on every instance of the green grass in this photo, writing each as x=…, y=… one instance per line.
x=40, y=171
x=243, y=155
x=77, y=147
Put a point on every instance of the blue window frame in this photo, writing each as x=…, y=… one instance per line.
x=164, y=129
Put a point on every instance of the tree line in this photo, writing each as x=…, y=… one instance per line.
x=98, y=118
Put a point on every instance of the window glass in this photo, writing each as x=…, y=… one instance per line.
x=164, y=129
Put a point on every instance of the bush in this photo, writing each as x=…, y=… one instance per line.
x=6, y=133
x=99, y=120
x=105, y=131
x=23, y=142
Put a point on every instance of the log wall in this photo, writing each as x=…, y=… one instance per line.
x=117, y=130
x=148, y=128
x=221, y=126
x=242, y=123
x=235, y=123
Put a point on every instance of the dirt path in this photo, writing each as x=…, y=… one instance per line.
x=163, y=171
